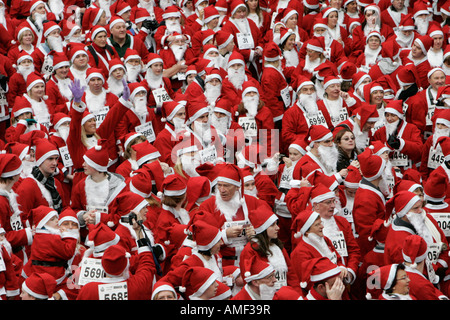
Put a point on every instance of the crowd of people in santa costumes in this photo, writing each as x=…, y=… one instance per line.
x=224, y=150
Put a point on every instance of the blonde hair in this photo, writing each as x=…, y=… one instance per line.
x=84, y=137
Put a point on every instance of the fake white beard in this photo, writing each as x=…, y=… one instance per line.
x=27, y=168
x=39, y=18
x=189, y=164
x=241, y=24
x=105, y=5
x=40, y=110
x=63, y=86
x=319, y=243
x=310, y=65
x=390, y=127
x=96, y=192
x=329, y=226
x=228, y=208
x=63, y=132
x=3, y=18
x=309, y=102
x=95, y=102
x=212, y=93
x=371, y=55
x=404, y=41
x=236, y=77
x=251, y=104
x=133, y=72
x=163, y=4
x=435, y=58
x=360, y=137
x=220, y=124
x=253, y=192
x=418, y=222
x=179, y=124
x=115, y=86
x=154, y=81
x=328, y=157
x=440, y=133
x=421, y=25
x=140, y=105
x=173, y=26
x=291, y=57
x=373, y=24
x=56, y=6
x=388, y=66
x=446, y=69
x=203, y=130
x=55, y=43
x=178, y=51
x=25, y=71
x=334, y=107
x=5, y=243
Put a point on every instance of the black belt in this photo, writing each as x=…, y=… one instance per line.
x=230, y=257
x=49, y=263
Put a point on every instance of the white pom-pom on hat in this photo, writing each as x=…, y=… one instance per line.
x=110, y=224
x=182, y=289
x=247, y=274
x=98, y=148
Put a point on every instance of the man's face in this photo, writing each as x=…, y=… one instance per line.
x=226, y=190
x=119, y=30
x=416, y=51
x=398, y=4
x=95, y=84
x=437, y=80
x=49, y=165
x=325, y=208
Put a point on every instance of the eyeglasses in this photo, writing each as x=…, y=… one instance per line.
x=348, y=138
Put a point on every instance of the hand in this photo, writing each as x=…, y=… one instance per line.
x=335, y=292
x=126, y=91
x=344, y=95
x=287, y=162
x=89, y=217
x=343, y=173
x=250, y=231
x=355, y=163
x=77, y=90
x=393, y=142
x=235, y=231
x=165, y=168
x=304, y=183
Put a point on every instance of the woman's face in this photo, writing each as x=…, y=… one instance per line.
x=157, y=68
x=291, y=22
x=373, y=43
x=376, y=97
x=402, y=285
x=90, y=127
x=312, y=54
x=290, y=42
x=252, y=4
x=333, y=91
x=62, y=72
x=27, y=37
x=333, y=19
x=38, y=91
x=347, y=142
x=272, y=231
x=100, y=39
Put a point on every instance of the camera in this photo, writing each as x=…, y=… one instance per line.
x=129, y=218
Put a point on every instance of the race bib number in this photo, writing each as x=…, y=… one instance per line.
x=249, y=126
x=160, y=96
x=434, y=250
x=240, y=240
x=147, y=130
x=430, y=115
x=286, y=96
x=100, y=115
x=65, y=157
x=15, y=222
x=443, y=221
x=285, y=179
x=399, y=159
x=347, y=213
x=318, y=119
x=342, y=116
x=113, y=291
x=245, y=41
x=208, y=154
x=44, y=120
x=338, y=241
x=281, y=277
x=435, y=157
x=91, y=271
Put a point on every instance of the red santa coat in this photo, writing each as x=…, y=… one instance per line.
x=417, y=109
x=17, y=86
x=388, y=17
x=50, y=248
x=230, y=254
x=368, y=206
x=272, y=84
x=420, y=287
x=335, y=52
x=245, y=294
x=132, y=122
x=9, y=282
x=169, y=60
x=231, y=93
x=375, y=73
x=100, y=57
x=410, y=140
x=139, y=284
x=38, y=34
x=14, y=132
x=422, y=67
x=166, y=140
x=56, y=101
x=334, y=121
x=63, y=169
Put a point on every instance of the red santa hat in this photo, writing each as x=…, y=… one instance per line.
x=390, y=49
x=171, y=12
x=74, y=49
x=33, y=79
x=113, y=21
x=378, y=147
x=115, y=260
x=406, y=22
x=364, y=3
x=223, y=38
x=59, y=118
x=235, y=5
x=68, y=214
x=197, y=108
x=97, y=157
x=224, y=106
x=378, y=231
x=153, y=58
x=249, y=86
x=198, y=190
x=435, y=30
x=445, y=8
x=204, y=234
x=414, y=250
x=329, y=80
x=174, y=186
x=325, y=12
x=139, y=182
x=371, y=165
x=17, y=148
x=256, y=268
x=286, y=292
x=41, y=215
x=191, y=70
x=366, y=113
x=10, y=165
x=348, y=69
x=317, y=178
x=68, y=29
x=94, y=73
x=232, y=174
x=119, y=7
x=196, y=3
x=23, y=56
x=235, y=57
x=87, y=116
x=212, y=73
x=209, y=14
x=91, y=17
x=145, y=151
x=34, y=4
x=261, y=219
x=311, y=4
x=353, y=178
x=139, y=15
x=299, y=82
x=406, y=185
x=420, y=7
x=325, y=69
x=318, y=133
x=444, y=142
x=304, y=220
x=395, y=107
x=321, y=193
x=435, y=188
x=424, y=42
x=401, y=203
x=170, y=109
x=21, y=106
x=196, y=280
x=160, y=286
x=99, y=238
x=60, y=60
x=221, y=5
x=128, y=201
x=131, y=53
x=211, y=171
x=317, y=270
x=135, y=87
x=358, y=78
x=300, y=145
x=96, y=30
x=320, y=22
x=316, y=44
x=382, y=279
x=49, y=27
x=44, y=150
x=251, y=155
x=40, y=285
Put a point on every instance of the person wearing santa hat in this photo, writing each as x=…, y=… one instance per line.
x=17, y=85
x=41, y=187
x=162, y=290
x=79, y=61
x=260, y=279
x=134, y=66
x=52, y=246
x=389, y=282
x=99, y=51
x=39, y=286
x=129, y=165
x=371, y=52
x=117, y=72
x=195, y=19
x=267, y=245
x=406, y=33
x=393, y=14
x=16, y=227
x=388, y=63
x=433, y=155
x=411, y=218
x=369, y=203
x=212, y=85
x=199, y=283
x=400, y=136
x=117, y=264
x=35, y=17
x=36, y=97
x=230, y=207
x=9, y=284
x=418, y=56
x=436, y=52
x=57, y=86
x=422, y=106
x=414, y=252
